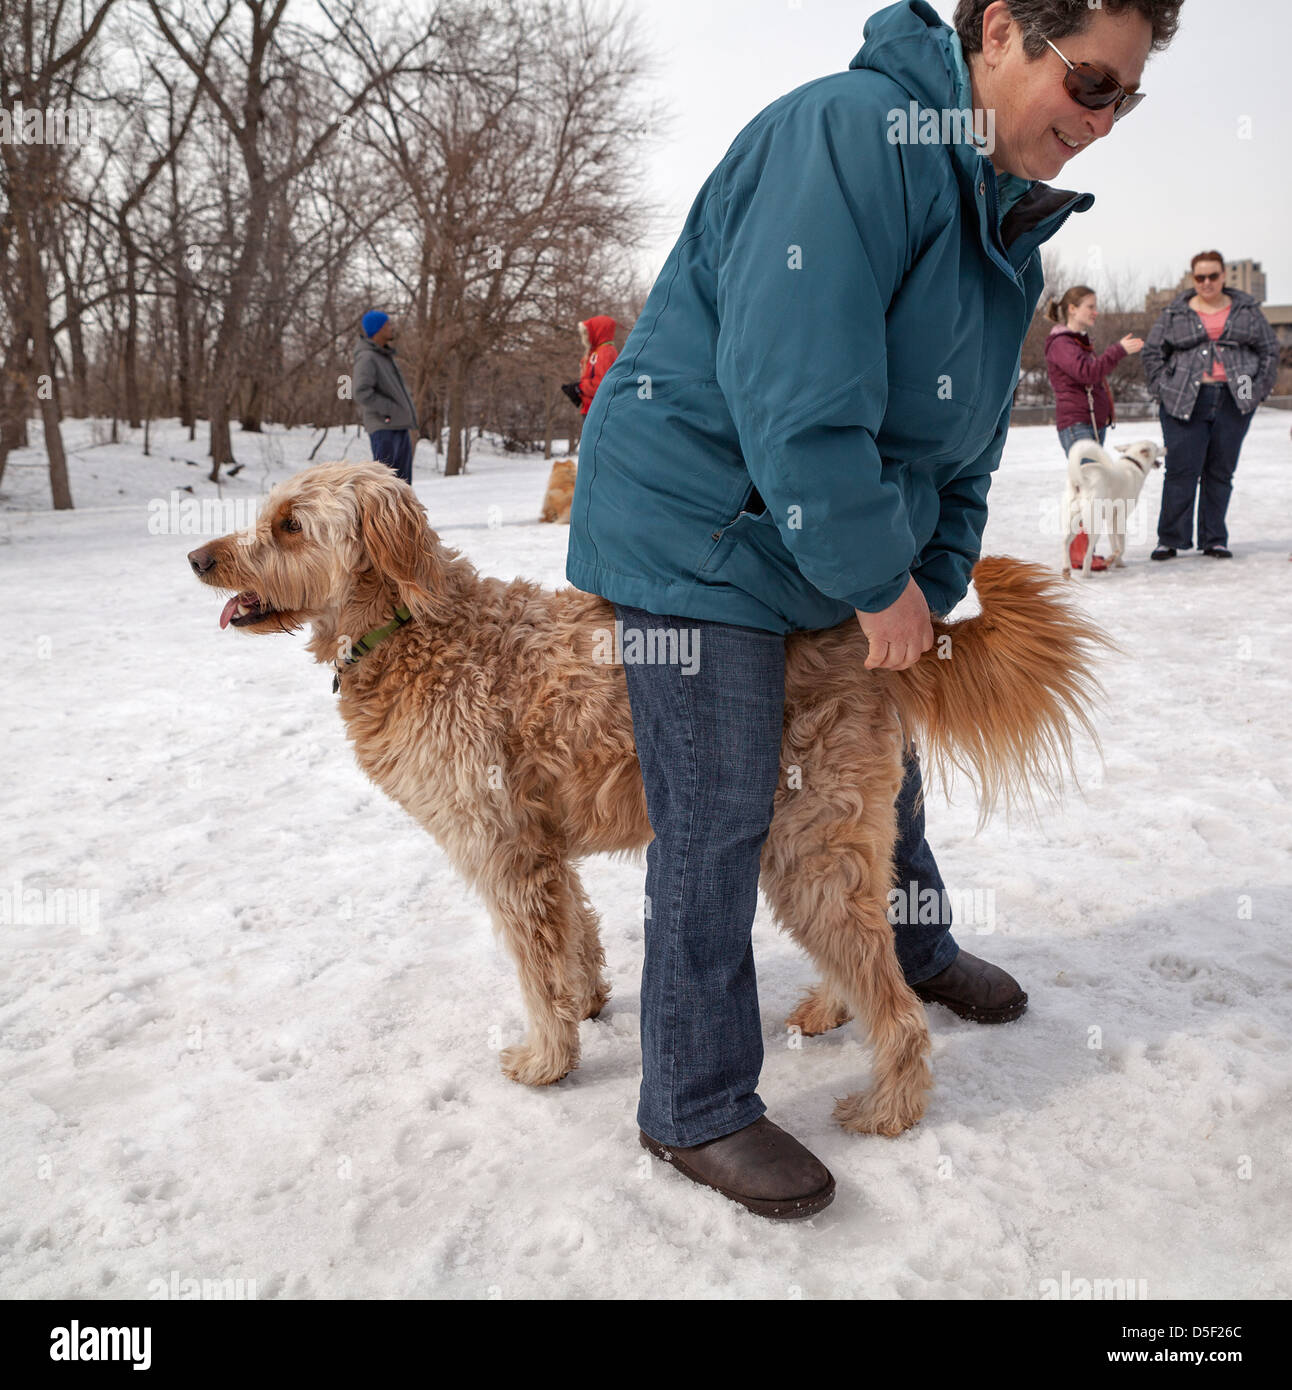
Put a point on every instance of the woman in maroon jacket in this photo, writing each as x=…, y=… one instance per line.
x=1083, y=404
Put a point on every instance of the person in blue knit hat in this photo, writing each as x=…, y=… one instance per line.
x=384, y=399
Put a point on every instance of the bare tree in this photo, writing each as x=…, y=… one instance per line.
x=507, y=156
x=43, y=56
x=255, y=69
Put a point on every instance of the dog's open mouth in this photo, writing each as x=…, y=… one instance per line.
x=246, y=608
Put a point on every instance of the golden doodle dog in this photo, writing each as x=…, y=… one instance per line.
x=488, y=710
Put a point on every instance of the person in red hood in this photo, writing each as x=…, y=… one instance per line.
x=1083, y=404
x=599, y=352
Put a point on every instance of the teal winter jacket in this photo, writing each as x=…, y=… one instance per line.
x=811, y=404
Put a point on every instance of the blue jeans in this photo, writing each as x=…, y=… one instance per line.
x=395, y=449
x=1069, y=435
x=709, y=744
x=1204, y=448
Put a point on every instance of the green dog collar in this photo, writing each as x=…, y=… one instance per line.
x=368, y=641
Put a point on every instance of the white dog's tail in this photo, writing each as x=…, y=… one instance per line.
x=1001, y=694
x=1083, y=453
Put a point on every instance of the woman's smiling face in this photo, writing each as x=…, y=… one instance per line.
x=1039, y=127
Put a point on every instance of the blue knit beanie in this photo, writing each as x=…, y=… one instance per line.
x=372, y=321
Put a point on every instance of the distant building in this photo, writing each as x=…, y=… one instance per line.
x=1239, y=275
x=1280, y=317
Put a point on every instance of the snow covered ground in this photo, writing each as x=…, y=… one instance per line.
x=249, y=1016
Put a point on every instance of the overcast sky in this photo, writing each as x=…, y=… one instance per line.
x=1173, y=178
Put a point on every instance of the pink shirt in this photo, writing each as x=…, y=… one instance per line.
x=1214, y=324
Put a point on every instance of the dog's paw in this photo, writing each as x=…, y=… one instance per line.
x=521, y=1063
x=597, y=1001
x=817, y=1013
x=868, y=1112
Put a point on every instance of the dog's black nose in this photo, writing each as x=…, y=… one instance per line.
x=201, y=560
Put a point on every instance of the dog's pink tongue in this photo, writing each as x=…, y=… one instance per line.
x=230, y=609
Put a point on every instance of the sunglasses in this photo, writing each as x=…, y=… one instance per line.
x=1203, y=279
x=1095, y=90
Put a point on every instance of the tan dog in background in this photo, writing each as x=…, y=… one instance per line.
x=560, y=492
x=495, y=720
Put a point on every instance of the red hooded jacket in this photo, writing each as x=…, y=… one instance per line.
x=601, y=332
x=1073, y=366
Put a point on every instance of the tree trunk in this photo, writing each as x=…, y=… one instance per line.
x=183, y=374
x=249, y=416
x=13, y=395
x=43, y=365
x=130, y=345
x=224, y=359
x=457, y=416
x=80, y=382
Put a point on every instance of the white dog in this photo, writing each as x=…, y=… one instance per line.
x=1101, y=495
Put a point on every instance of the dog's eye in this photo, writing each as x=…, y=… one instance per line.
x=291, y=524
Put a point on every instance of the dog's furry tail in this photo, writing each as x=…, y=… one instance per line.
x=1001, y=695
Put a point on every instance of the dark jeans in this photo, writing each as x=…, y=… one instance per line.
x=1069, y=435
x=709, y=744
x=1204, y=447
x=395, y=449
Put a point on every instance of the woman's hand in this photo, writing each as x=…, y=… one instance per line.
x=1131, y=343
x=899, y=634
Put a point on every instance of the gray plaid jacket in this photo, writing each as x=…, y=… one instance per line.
x=1178, y=351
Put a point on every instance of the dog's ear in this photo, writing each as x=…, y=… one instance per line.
x=401, y=546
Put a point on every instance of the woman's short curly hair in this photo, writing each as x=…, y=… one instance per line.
x=1058, y=19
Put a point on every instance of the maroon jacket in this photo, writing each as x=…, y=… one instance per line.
x=1073, y=366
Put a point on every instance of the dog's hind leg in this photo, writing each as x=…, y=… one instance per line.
x=1065, y=560
x=827, y=871
x=534, y=898
x=1119, y=537
x=591, y=954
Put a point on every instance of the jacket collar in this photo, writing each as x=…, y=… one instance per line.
x=909, y=43
x=1236, y=297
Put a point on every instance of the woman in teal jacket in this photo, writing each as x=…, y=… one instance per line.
x=803, y=425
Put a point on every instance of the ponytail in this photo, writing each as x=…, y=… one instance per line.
x=1057, y=309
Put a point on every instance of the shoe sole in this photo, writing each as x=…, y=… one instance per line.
x=1007, y=1013
x=774, y=1208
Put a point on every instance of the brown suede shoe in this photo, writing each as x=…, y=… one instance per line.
x=760, y=1166
x=975, y=989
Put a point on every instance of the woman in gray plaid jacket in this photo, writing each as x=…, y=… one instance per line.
x=1210, y=360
